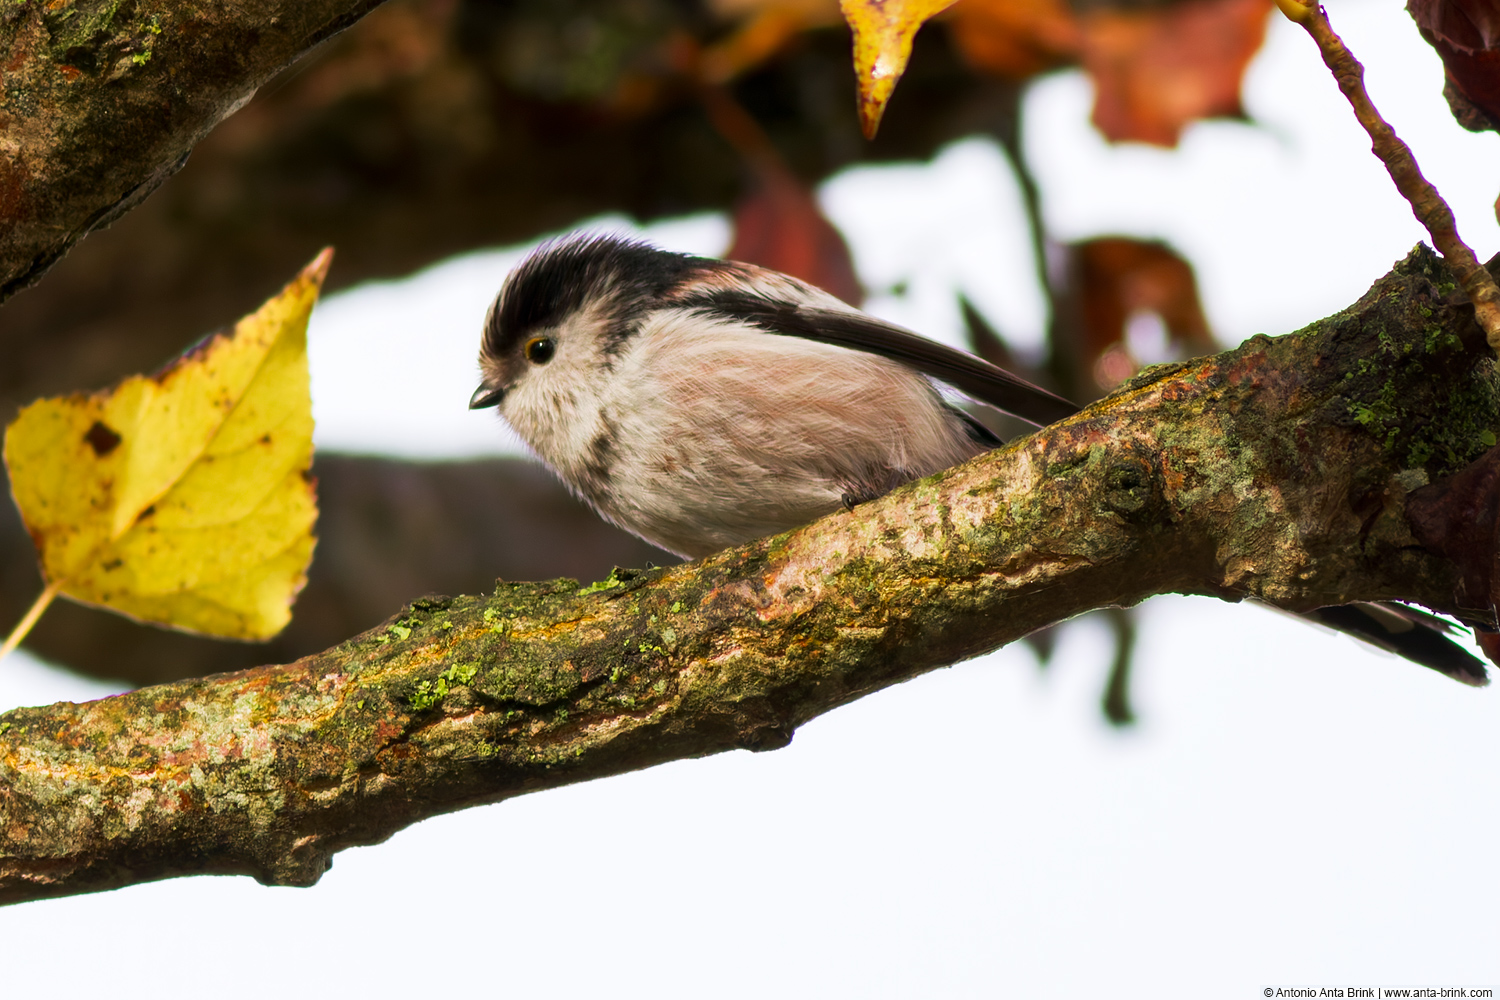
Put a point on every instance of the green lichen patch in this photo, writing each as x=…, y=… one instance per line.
x=1404, y=376
x=1424, y=400
x=100, y=38
x=608, y=583
x=430, y=692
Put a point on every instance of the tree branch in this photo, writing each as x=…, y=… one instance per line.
x=1278, y=470
x=102, y=101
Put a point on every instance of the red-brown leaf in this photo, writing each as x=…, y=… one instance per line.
x=1466, y=25
x=1015, y=39
x=1466, y=35
x=1115, y=277
x=1158, y=69
x=1155, y=69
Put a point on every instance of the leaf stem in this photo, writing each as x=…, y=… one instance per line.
x=1426, y=203
x=24, y=628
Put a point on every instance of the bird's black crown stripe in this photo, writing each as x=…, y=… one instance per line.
x=561, y=278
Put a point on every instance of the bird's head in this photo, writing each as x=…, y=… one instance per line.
x=565, y=314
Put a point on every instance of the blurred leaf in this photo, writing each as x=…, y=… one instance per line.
x=1466, y=35
x=1155, y=68
x=778, y=225
x=766, y=29
x=819, y=13
x=883, y=32
x=182, y=498
x=1160, y=68
x=1016, y=39
x=1116, y=278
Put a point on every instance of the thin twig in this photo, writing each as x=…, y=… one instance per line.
x=1426, y=203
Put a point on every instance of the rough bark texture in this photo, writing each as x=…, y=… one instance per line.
x=1279, y=470
x=102, y=100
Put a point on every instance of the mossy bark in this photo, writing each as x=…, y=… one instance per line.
x=1278, y=470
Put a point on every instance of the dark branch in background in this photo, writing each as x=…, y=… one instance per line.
x=1280, y=470
x=102, y=101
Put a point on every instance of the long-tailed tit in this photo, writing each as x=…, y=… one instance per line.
x=701, y=403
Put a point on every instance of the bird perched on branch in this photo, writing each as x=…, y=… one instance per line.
x=702, y=403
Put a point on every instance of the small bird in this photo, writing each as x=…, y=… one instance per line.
x=701, y=403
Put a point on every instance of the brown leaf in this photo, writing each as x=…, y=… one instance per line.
x=1015, y=39
x=1115, y=277
x=1458, y=519
x=1465, y=34
x=1466, y=25
x=1158, y=69
x=778, y=224
x=1155, y=68
x=766, y=28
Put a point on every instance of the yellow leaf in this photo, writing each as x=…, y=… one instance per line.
x=182, y=498
x=883, y=30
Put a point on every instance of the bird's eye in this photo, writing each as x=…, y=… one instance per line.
x=539, y=350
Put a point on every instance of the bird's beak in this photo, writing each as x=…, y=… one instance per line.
x=485, y=397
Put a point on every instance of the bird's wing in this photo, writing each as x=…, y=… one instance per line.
x=847, y=328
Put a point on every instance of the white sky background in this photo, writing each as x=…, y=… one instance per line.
x=1290, y=809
